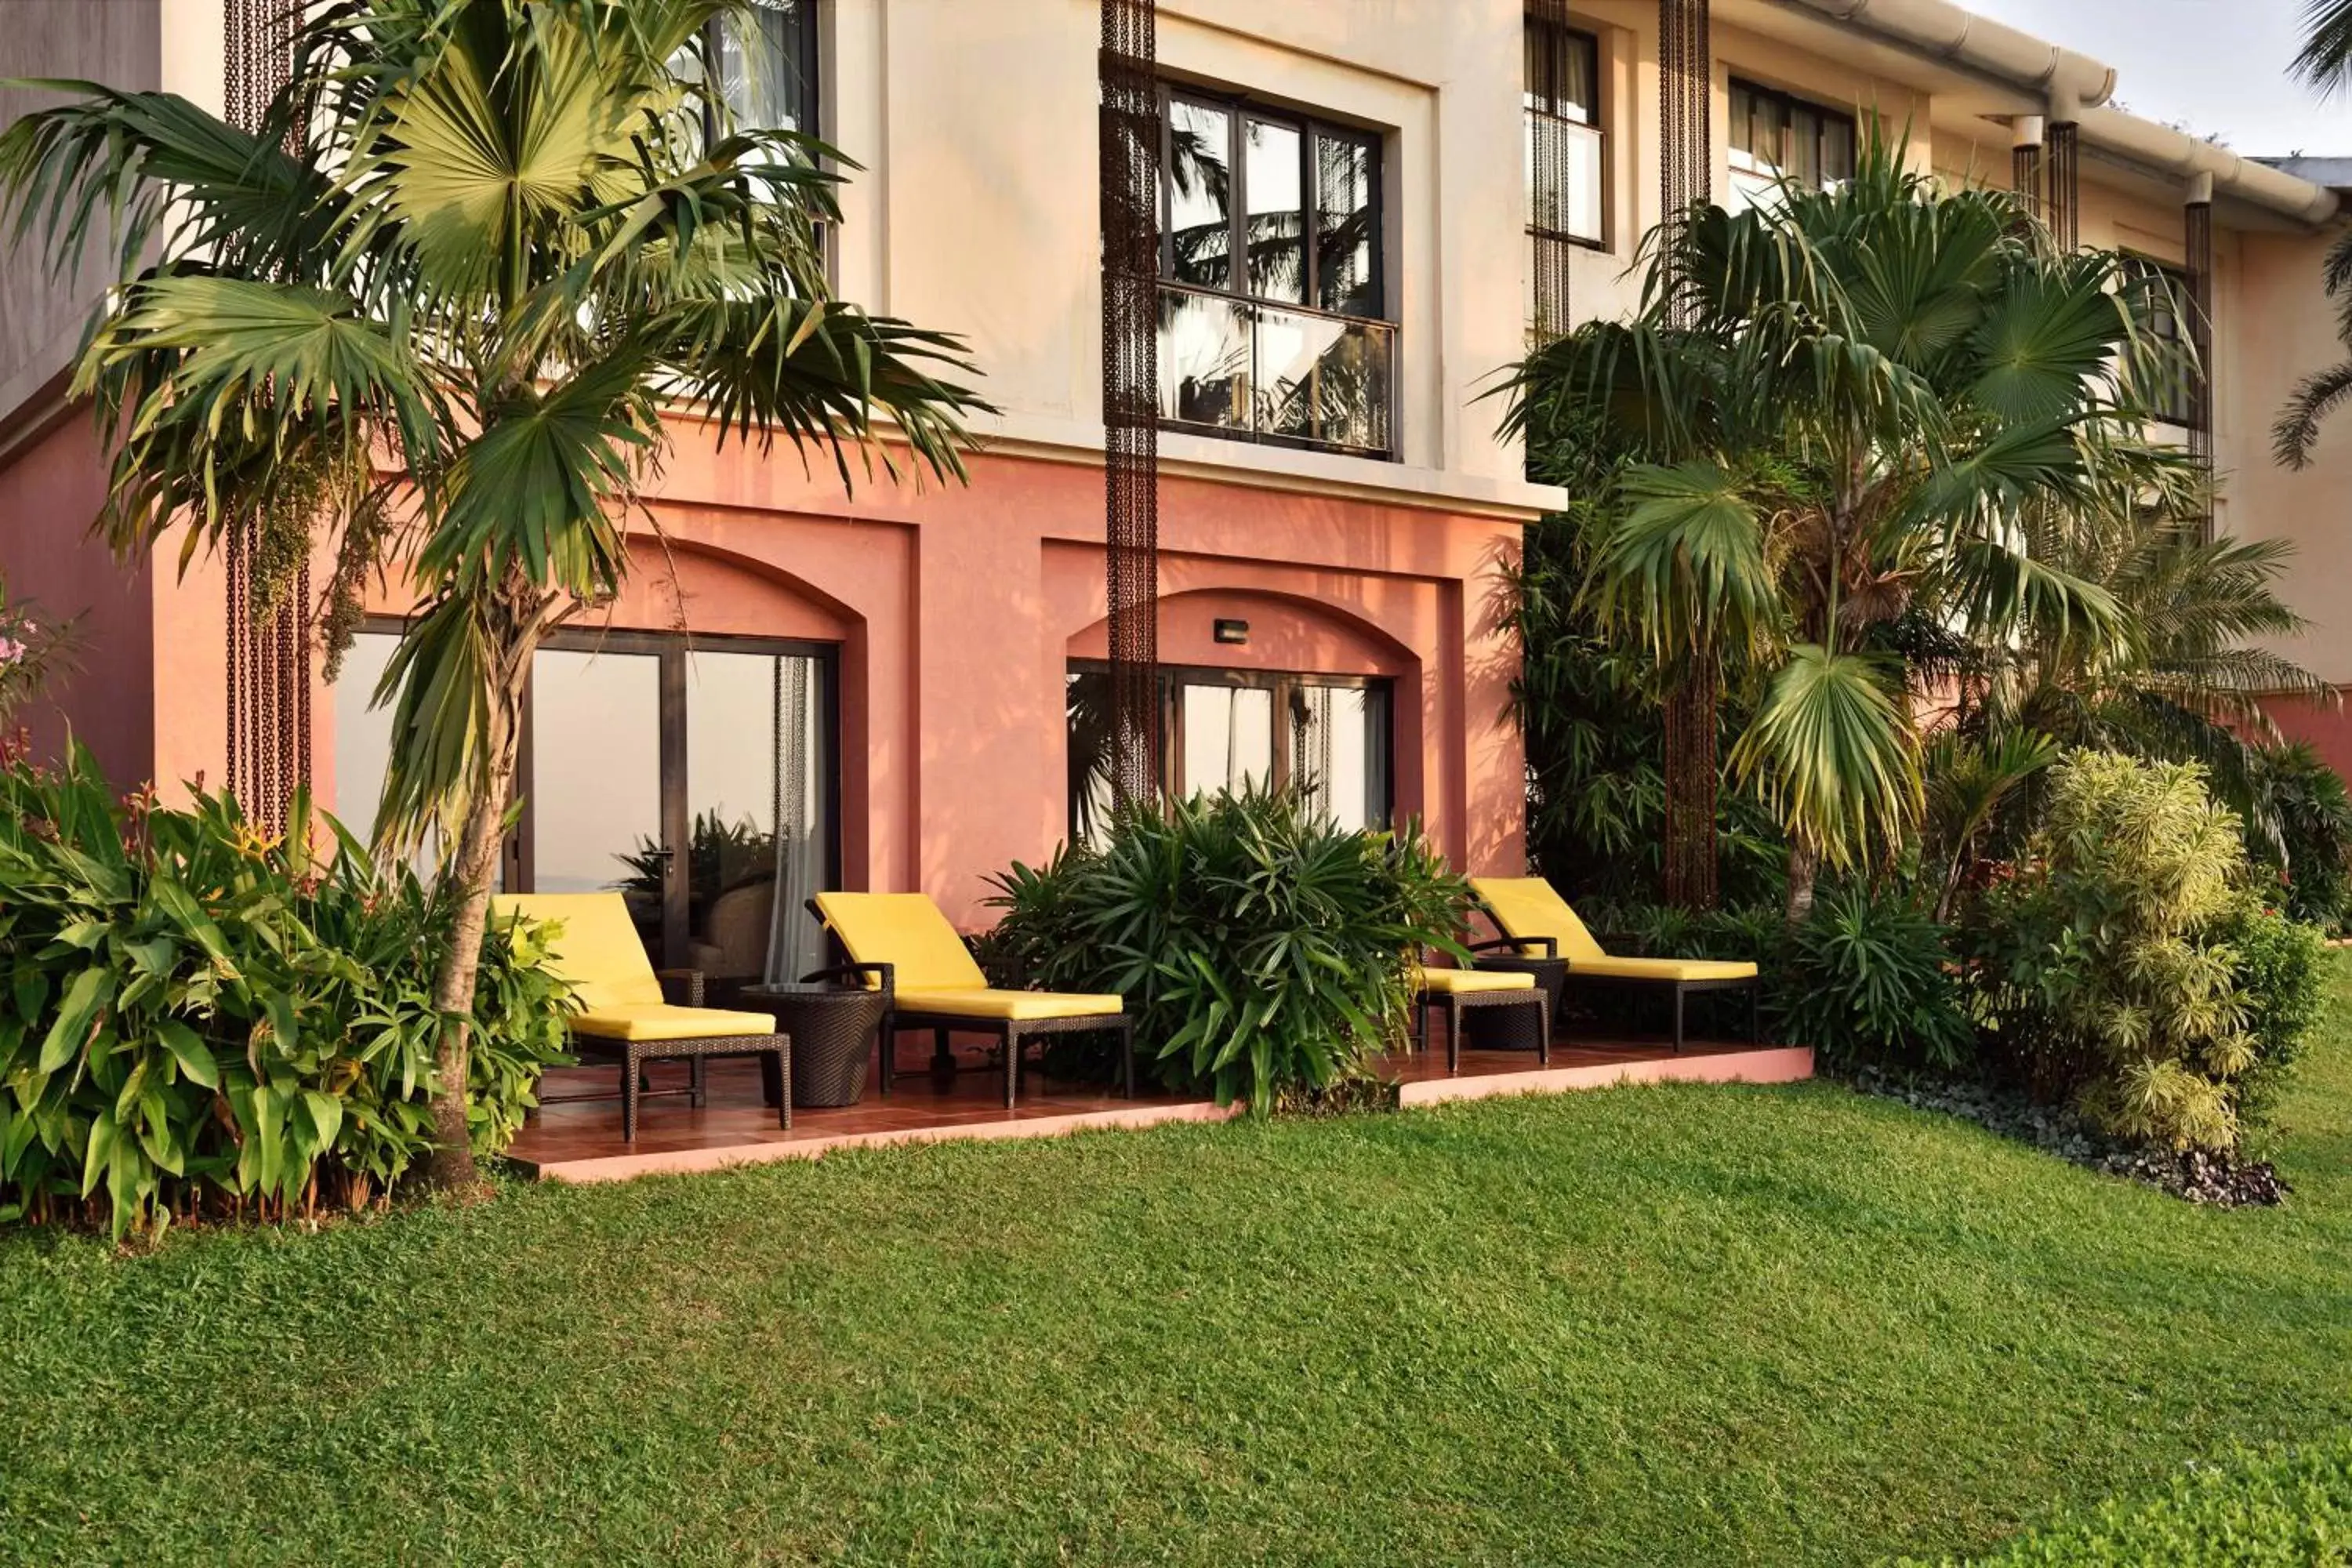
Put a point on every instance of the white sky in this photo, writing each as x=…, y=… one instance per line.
x=2215, y=67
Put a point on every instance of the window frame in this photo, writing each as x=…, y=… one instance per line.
x=2183, y=406
x=1546, y=103
x=1787, y=103
x=1239, y=109
x=517, y=860
x=808, y=62
x=1169, y=679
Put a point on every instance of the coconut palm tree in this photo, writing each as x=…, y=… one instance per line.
x=2184, y=675
x=437, y=309
x=2324, y=63
x=1845, y=402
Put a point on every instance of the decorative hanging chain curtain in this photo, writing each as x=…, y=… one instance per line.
x=1686, y=169
x=2065, y=197
x=269, y=630
x=2198, y=245
x=1130, y=155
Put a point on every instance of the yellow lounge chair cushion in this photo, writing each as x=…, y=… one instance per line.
x=1458, y=982
x=906, y=932
x=1527, y=907
x=656, y=1021
x=597, y=951
x=987, y=1002
x=1663, y=968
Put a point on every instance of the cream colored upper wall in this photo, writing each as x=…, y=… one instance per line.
x=2285, y=330
x=979, y=210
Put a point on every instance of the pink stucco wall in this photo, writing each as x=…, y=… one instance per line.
x=49, y=497
x=956, y=610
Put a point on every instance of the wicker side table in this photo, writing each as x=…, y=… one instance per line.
x=832, y=1030
x=1551, y=979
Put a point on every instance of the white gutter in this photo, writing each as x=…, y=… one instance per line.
x=2075, y=87
x=2162, y=148
x=1991, y=49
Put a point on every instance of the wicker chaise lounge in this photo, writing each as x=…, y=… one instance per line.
x=627, y=1014
x=1535, y=920
x=902, y=942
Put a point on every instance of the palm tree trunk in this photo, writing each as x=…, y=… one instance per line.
x=451, y=1165
x=1804, y=868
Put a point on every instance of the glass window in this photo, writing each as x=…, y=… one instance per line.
x=766, y=58
x=1347, y=212
x=2160, y=298
x=1275, y=217
x=1290, y=346
x=1340, y=751
x=1564, y=159
x=362, y=733
x=1199, y=187
x=1281, y=180
x=596, y=785
x=695, y=780
x=757, y=844
x=1775, y=137
x=1563, y=72
x=1227, y=733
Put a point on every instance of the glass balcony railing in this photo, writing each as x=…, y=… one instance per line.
x=1262, y=372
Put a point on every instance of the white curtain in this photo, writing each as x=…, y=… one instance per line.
x=796, y=945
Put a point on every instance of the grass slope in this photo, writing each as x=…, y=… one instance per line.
x=1642, y=1326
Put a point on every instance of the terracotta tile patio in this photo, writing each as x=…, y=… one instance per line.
x=582, y=1141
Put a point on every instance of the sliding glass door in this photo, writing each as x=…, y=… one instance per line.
x=696, y=778
x=1227, y=730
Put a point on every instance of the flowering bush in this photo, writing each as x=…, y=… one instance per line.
x=195, y=1015
x=32, y=649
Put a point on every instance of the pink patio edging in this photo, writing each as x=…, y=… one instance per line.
x=621, y=1167
x=1790, y=1064
x=1787, y=1064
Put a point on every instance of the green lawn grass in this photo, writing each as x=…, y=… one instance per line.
x=1642, y=1326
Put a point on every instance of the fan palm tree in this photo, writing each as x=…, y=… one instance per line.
x=1844, y=403
x=435, y=308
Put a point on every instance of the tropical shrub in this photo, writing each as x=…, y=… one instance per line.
x=1263, y=950
x=1589, y=708
x=2104, y=963
x=2309, y=844
x=2281, y=966
x=1869, y=979
x=2273, y=1507
x=199, y=1015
